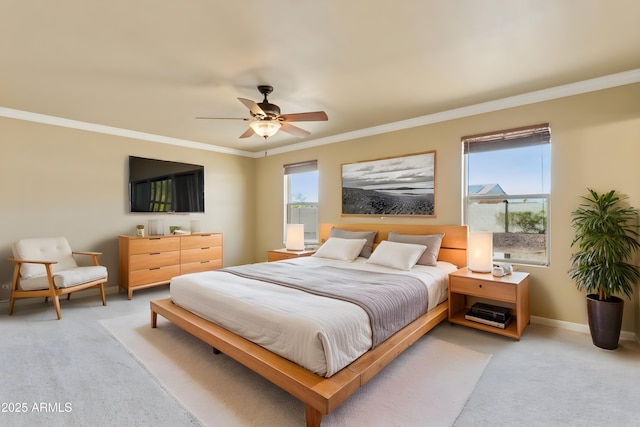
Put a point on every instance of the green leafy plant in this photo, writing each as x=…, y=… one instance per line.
x=606, y=239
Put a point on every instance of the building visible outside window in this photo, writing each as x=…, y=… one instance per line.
x=301, y=198
x=507, y=191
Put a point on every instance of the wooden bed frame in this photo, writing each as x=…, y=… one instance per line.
x=322, y=395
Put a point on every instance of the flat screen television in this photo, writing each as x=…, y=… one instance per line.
x=165, y=186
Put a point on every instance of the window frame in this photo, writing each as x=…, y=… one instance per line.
x=502, y=140
x=312, y=236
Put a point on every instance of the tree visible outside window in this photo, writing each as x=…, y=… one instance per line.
x=301, y=198
x=507, y=191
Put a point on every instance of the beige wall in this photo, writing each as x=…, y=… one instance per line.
x=58, y=181
x=71, y=182
x=595, y=143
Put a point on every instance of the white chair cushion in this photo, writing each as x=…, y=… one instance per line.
x=43, y=249
x=66, y=279
x=79, y=275
x=34, y=283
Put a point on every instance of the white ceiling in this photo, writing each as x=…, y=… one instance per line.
x=152, y=66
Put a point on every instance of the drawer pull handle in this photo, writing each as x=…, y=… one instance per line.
x=154, y=238
x=204, y=249
x=479, y=286
x=154, y=253
x=204, y=262
x=155, y=268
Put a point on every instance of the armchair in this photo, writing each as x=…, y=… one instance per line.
x=46, y=267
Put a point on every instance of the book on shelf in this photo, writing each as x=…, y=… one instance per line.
x=474, y=317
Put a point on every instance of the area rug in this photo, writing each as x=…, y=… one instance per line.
x=428, y=385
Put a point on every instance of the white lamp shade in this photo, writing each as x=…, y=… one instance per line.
x=480, y=251
x=295, y=237
x=265, y=128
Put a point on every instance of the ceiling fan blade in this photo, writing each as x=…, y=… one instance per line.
x=293, y=130
x=249, y=132
x=315, y=116
x=223, y=118
x=252, y=106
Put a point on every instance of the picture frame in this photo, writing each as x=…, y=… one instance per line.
x=392, y=186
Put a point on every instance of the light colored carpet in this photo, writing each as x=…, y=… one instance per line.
x=551, y=378
x=428, y=384
x=73, y=373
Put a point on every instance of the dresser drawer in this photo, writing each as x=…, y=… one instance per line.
x=204, y=254
x=484, y=289
x=152, y=275
x=197, y=241
x=196, y=267
x=154, y=244
x=154, y=259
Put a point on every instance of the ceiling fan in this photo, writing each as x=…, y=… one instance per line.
x=266, y=119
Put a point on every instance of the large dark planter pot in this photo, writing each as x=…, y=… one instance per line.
x=605, y=321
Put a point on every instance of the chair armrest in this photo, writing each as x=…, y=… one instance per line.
x=27, y=261
x=93, y=255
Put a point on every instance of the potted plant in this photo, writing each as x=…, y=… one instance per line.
x=606, y=239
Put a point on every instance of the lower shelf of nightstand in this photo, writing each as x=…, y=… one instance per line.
x=510, y=331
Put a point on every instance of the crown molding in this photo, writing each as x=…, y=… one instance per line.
x=571, y=89
x=110, y=130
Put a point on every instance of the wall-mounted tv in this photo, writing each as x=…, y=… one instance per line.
x=165, y=186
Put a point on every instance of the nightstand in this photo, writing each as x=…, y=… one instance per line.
x=280, y=254
x=510, y=291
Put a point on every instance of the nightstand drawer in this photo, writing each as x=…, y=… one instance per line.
x=483, y=289
x=286, y=256
x=281, y=254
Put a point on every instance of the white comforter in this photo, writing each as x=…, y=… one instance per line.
x=321, y=334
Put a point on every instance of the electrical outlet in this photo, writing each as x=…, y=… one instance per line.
x=6, y=285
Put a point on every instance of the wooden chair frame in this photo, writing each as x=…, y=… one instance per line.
x=52, y=291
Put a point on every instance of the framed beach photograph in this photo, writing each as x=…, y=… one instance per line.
x=391, y=186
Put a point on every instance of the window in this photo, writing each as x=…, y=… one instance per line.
x=507, y=191
x=301, y=198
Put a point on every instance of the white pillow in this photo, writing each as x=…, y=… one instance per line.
x=401, y=256
x=342, y=249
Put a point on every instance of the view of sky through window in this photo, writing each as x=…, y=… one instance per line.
x=304, y=187
x=518, y=171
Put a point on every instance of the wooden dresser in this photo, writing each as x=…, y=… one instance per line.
x=154, y=260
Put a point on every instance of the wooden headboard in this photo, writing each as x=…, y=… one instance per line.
x=454, y=243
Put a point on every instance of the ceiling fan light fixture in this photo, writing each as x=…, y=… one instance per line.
x=265, y=128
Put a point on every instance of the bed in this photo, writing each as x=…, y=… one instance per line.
x=320, y=389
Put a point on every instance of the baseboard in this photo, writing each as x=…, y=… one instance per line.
x=578, y=327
